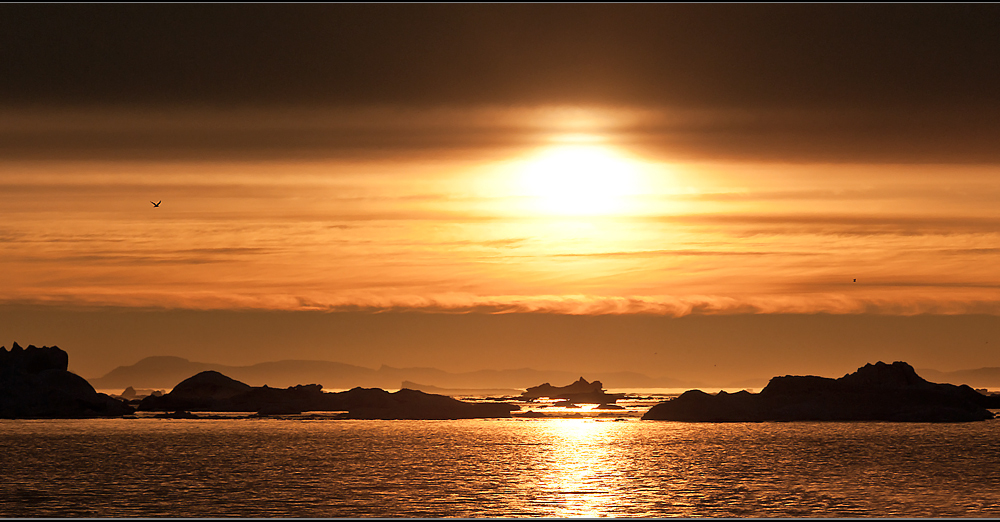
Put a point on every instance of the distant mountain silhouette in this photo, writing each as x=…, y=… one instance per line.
x=977, y=378
x=167, y=371
x=453, y=392
x=876, y=392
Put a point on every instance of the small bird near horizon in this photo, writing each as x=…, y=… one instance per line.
x=855, y=280
x=157, y=204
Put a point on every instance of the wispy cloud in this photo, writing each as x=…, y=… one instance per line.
x=842, y=224
x=568, y=304
x=687, y=252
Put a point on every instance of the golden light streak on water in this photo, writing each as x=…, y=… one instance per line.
x=582, y=476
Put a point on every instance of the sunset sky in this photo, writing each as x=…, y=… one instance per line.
x=715, y=192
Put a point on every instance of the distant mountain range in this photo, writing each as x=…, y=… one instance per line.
x=977, y=378
x=163, y=372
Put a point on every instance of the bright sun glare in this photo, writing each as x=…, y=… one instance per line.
x=580, y=179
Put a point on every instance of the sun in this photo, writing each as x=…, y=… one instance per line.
x=580, y=180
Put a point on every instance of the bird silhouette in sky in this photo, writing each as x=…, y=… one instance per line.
x=157, y=204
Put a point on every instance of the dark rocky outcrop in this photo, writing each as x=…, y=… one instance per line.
x=209, y=386
x=34, y=383
x=876, y=392
x=373, y=403
x=580, y=392
x=212, y=391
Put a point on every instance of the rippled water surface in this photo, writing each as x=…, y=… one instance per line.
x=544, y=467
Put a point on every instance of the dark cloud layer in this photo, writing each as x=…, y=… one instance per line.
x=716, y=55
x=839, y=83
x=963, y=135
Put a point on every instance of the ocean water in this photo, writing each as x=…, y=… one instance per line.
x=499, y=468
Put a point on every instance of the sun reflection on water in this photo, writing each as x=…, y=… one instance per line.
x=583, y=475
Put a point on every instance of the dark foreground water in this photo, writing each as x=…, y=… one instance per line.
x=547, y=467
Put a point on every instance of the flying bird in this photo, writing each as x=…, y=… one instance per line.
x=157, y=204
